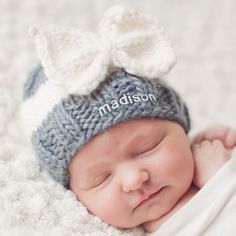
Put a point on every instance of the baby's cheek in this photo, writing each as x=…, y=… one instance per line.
x=172, y=166
x=183, y=170
x=109, y=206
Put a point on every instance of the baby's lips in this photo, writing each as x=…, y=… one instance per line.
x=146, y=197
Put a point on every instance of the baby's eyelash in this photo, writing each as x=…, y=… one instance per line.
x=148, y=149
x=103, y=179
x=152, y=147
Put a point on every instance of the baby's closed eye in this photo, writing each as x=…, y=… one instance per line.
x=101, y=179
x=150, y=147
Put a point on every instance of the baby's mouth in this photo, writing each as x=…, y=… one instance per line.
x=148, y=197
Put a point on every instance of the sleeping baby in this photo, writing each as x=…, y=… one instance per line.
x=105, y=124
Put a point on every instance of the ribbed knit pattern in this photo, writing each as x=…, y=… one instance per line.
x=36, y=77
x=76, y=119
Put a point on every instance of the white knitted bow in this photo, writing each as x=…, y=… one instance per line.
x=79, y=61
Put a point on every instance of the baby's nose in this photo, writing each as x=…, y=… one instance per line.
x=133, y=178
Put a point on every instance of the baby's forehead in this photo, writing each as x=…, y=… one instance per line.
x=133, y=125
x=125, y=131
x=124, y=135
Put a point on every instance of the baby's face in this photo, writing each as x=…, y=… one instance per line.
x=115, y=171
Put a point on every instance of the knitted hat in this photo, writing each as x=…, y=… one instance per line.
x=87, y=83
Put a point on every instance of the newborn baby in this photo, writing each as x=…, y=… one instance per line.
x=105, y=124
x=142, y=171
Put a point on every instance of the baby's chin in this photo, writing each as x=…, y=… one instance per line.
x=150, y=226
x=155, y=223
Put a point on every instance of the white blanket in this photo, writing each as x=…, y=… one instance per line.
x=211, y=212
x=32, y=204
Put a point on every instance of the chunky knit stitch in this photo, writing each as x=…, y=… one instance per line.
x=35, y=79
x=78, y=61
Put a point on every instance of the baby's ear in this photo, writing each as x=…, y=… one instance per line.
x=35, y=78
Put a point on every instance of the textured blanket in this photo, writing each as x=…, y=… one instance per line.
x=203, y=35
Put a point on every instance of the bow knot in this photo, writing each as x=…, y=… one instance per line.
x=79, y=61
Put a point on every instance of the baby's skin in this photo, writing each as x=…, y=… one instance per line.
x=211, y=149
x=140, y=172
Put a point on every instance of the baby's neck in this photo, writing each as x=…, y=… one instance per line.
x=155, y=224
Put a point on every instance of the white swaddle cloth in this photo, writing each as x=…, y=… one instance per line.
x=211, y=212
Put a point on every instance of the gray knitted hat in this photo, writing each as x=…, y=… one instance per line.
x=62, y=115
